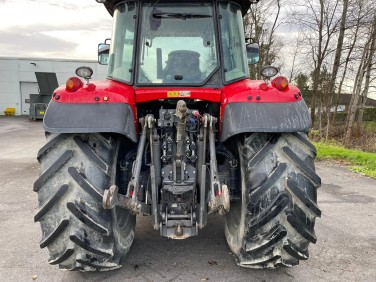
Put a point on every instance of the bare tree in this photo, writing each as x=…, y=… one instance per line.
x=319, y=18
x=262, y=29
x=356, y=23
x=272, y=32
x=335, y=41
x=369, y=64
x=336, y=64
x=363, y=70
x=295, y=68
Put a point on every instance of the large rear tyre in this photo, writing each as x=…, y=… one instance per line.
x=78, y=232
x=273, y=222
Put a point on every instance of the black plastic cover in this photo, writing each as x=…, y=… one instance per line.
x=110, y=5
x=265, y=117
x=47, y=82
x=90, y=118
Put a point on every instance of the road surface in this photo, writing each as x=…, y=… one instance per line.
x=346, y=232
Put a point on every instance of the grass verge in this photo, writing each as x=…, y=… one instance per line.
x=362, y=162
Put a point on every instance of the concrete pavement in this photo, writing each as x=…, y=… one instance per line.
x=345, y=251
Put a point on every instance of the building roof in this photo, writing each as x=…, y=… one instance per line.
x=344, y=99
x=48, y=59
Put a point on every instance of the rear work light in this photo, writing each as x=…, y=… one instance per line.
x=269, y=71
x=73, y=84
x=281, y=83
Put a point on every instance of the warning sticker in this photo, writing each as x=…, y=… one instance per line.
x=173, y=94
x=184, y=94
x=177, y=94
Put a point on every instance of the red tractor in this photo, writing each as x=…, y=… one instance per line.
x=178, y=131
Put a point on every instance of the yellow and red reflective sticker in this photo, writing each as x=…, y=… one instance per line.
x=172, y=94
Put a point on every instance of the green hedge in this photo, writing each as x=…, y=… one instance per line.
x=369, y=115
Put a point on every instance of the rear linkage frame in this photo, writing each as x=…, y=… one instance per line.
x=215, y=198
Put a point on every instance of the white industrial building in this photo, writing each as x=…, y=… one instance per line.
x=18, y=80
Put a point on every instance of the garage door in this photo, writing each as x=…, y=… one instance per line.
x=27, y=88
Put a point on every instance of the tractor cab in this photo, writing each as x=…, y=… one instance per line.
x=178, y=43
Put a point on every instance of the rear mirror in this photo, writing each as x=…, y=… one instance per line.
x=248, y=39
x=253, y=53
x=103, y=53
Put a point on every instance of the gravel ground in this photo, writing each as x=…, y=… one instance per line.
x=345, y=251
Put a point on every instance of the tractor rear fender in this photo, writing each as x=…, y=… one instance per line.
x=247, y=108
x=90, y=118
x=106, y=106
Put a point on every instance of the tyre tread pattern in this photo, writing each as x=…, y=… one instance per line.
x=50, y=145
x=293, y=187
x=96, y=266
x=301, y=226
x=305, y=141
x=303, y=166
x=82, y=181
x=51, y=203
x=270, y=239
x=54, y=234
x=295, y=251
x=91, y=155
x=66, y=255
x=76, y=229
x=53, y=169
x=263, y=152
x=87, y=247
x=281, y=208
x=273, y=177
x=79, y=212
x=280, y=202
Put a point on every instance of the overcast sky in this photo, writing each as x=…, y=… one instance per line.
x=53, y=28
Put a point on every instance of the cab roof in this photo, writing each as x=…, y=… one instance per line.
x=245, y=4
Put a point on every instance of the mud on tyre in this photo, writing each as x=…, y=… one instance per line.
x=78, y=233
x=273, y=222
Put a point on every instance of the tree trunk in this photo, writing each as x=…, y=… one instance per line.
x=320, y=57
x=345, y=69
x=336, y=64
x=320, y=118
x=327, y=122
x=353, y=107
x=292, y=72
x=369, y=65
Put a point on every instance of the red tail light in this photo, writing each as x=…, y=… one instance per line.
x=281, y=83
x=263, y=86
x=73, y=84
